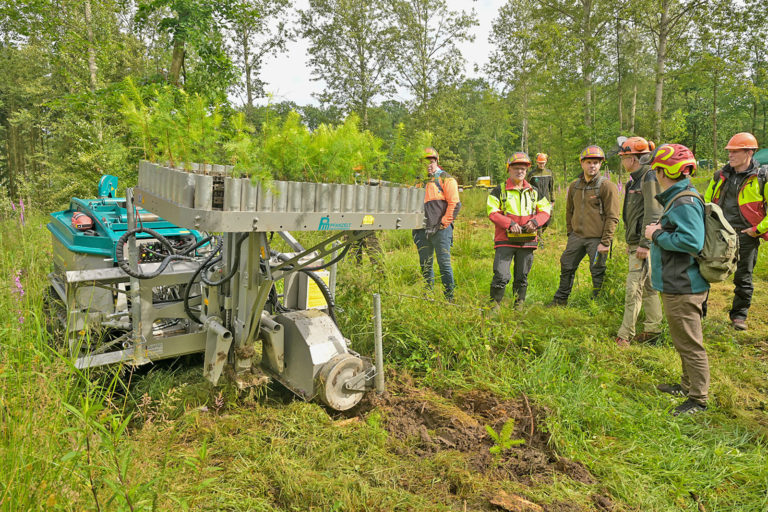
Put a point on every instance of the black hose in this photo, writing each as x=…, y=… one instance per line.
x=206, y=263
x=337, y=259
x=235, y=264
x=125, y=265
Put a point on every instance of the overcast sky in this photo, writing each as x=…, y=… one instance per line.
x=288, y=75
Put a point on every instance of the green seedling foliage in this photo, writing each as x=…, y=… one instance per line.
x=503, y=439
x=178, y=128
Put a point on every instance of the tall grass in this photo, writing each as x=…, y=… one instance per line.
x=163, y=438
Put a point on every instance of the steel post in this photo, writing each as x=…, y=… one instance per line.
x=379, y=353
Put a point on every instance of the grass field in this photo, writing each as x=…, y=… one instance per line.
x=596, y=434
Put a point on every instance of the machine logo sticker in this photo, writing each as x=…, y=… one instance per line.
x=326, y=225
x=367, y=220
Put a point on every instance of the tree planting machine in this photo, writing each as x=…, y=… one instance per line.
x=185, y=263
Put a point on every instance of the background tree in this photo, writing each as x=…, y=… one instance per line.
x=427, y=56
x=352, y=50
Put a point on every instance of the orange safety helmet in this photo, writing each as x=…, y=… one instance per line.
x=743, y=140
x=592, y=152
x=519, y=158
x=431, y=153
x=636, y=146
x=675, y=160
x=81, y=221
x=541, y=158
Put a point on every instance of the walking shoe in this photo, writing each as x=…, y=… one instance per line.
x=651, y=338
x=556, y=303
x=621, y=342
x=688, y=407
x=739, y=324
x=672, y=389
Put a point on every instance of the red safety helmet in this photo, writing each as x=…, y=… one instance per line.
x=592, y=152
x=519, y=158
x=431, y=153
x=675, y=160
x=541, y=158
x=81, y=221
x=743, y=140
x=636, y=146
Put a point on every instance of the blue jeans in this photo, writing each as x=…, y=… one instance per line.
x=438, y=244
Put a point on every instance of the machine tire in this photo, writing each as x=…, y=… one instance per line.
x=331, y=380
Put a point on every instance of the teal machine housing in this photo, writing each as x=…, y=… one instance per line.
x=86, y=278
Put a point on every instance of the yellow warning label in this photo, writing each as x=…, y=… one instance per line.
x=367, y=220
x=315, y=297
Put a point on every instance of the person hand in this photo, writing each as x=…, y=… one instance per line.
x=514, y=228
x=650, y=229
x=642, y=253
x=530, y=227
x=751, y=232
x=603, y=249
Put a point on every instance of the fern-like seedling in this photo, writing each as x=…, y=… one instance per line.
x=503, y=439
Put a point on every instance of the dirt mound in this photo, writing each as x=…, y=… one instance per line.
x=428, y=422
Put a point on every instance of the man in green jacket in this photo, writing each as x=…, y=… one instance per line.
x=591, y=217
x=640, y=209
x=675, y=272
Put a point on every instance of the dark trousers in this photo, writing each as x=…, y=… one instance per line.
x=575, y=250
x=437, y=245
x=504, y=258
x=742, y=279
x=369, y=244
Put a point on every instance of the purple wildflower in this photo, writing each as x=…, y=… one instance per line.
x=19, y=292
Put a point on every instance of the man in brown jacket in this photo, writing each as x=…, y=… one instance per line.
x=591, y=217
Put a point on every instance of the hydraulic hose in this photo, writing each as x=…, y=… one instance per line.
x=125, y=265
x=235, y=264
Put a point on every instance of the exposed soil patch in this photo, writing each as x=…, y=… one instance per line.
x=428, y=422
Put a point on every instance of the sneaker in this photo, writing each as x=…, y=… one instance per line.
x=621, y=342
x=651, y=338
x=672, y=389
x=739, y=324
x=688, y=407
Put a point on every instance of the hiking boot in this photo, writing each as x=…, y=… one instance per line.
x=495, y=308
x=739, y=324
x=621, y=342
x=651, y=338
x=556, y=303
x=688, y=407
x=672, y=389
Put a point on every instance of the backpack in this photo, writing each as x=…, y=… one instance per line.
x=720, y=254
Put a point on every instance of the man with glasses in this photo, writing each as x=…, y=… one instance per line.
x=640, y=209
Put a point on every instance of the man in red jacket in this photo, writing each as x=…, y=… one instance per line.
x=517, y=211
